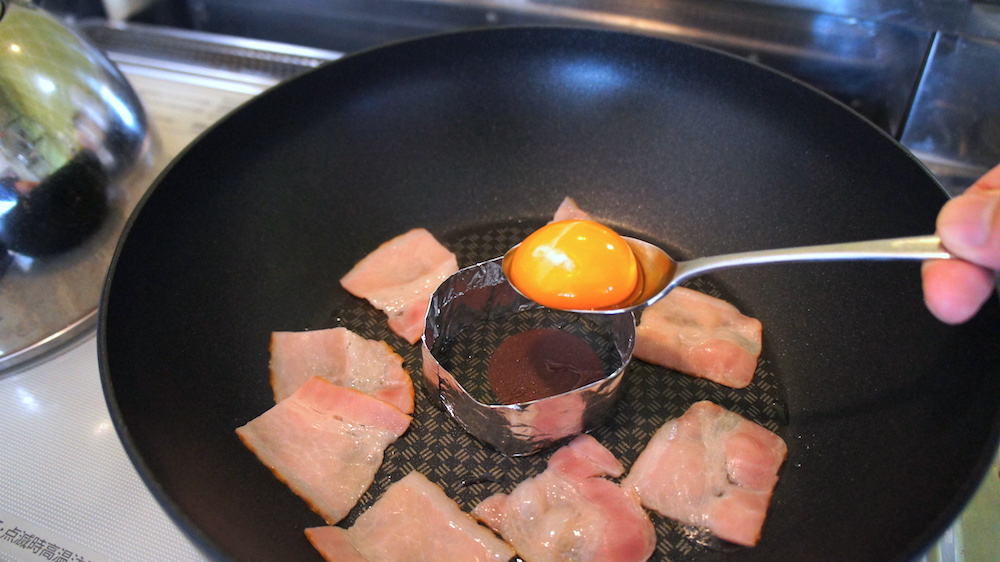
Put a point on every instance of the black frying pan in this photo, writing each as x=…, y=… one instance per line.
x=891, y=418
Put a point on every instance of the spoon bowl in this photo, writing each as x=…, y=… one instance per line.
x=660, y=273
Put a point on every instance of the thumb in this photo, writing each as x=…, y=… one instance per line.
x=969, y=226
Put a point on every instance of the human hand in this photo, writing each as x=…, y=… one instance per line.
x=969, y=227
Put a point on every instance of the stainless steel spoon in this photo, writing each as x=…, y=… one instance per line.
x=661, y=273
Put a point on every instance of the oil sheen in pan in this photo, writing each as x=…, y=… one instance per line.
x=472, y=355
x=469, y=472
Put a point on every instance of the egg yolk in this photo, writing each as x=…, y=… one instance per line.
x=574, y=265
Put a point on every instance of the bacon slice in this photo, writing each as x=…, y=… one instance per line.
x=570, y=512
x=413, y=520
x=325, y=442
x=399, y=277
x=569, y=210
x=343, y=358
x=710, y=468
x=700, y=335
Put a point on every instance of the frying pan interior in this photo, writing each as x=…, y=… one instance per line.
x=891, y=418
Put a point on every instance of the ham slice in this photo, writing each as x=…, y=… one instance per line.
x=399, y=277
x=325, y=442
x=710, y=468
x=569, y=210
x=413, y=520
x=700, y=335
x=343, y=358
x=571, y=512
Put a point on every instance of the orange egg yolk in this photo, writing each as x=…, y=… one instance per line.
x=574, y=265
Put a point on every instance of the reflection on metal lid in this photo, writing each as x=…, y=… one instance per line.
x=73, y=143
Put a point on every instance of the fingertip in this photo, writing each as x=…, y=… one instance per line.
x=969, y=226
x=954, y=291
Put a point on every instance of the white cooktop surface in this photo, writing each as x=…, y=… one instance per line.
x=68, y=492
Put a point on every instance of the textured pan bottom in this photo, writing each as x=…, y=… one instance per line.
x=470, y=471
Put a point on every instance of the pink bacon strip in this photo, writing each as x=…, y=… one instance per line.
x=399, y=277
x=571, y=512
x=342, y=357
x=700, y=335
x=326, y=442
x=710, y=468
x=413, y=520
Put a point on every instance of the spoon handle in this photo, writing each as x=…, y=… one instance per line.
x=910, y=248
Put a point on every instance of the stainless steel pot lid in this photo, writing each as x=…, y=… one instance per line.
x=73, y=143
